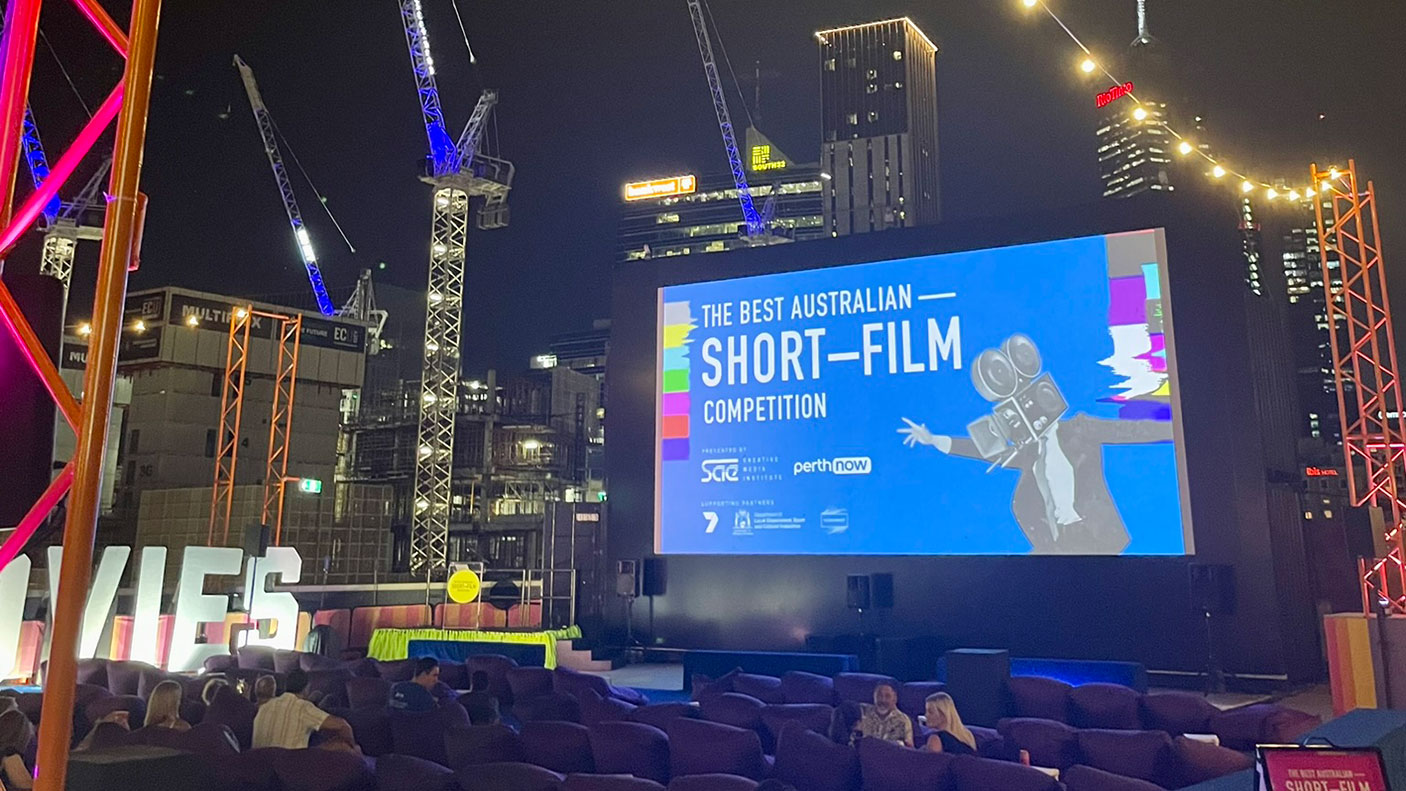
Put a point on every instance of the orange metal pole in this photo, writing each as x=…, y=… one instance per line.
x=56, y=719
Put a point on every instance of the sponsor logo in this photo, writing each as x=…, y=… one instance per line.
x=720, y=470
x=840, y=465
x=742, y=521
x=834, y=520
x=712, y=517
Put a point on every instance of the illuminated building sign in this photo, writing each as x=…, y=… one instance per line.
x=660, y=188
x=1113, y=94
x=310, y=486
x=761, y=159
x=1320, y=472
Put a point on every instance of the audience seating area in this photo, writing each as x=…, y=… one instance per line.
x=579, y=733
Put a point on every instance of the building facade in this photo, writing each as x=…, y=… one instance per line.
x=1302, y=260
x=878, y=109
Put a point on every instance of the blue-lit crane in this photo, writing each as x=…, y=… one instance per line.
x=64, y=222
x=285, y=188
x=757, y=228
x=458, y=171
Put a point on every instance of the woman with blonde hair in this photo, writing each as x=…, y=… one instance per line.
x=949, y=734
x=163, y=707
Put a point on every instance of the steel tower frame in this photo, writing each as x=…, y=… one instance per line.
x=458, y=172
x=1365, y=365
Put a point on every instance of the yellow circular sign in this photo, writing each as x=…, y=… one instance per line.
x=464, y=586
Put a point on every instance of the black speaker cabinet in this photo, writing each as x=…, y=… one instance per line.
x=627, y=578
x=857, y=592
x=1212, y=587
x=654, y=577
x=136, y=767
x=881, y=591
x=256, y=540
x=976, y=680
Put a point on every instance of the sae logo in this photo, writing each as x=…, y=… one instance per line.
x=720, y=470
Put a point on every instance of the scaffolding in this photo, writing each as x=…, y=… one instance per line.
x=1366, y=372
x=287, y=332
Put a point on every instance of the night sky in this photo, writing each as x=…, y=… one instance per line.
x=594, y=93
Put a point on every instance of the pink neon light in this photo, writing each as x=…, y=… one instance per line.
x=61, y=170
x=46, y=502
x=100, y=19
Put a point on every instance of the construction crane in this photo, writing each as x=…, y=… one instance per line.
x=757, y=225
x=63, y=222
x=458, y=171
x=285, y=187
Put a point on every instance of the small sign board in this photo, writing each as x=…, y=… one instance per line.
x=1314, y=768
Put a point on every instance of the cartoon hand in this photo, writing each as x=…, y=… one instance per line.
x=917, y=434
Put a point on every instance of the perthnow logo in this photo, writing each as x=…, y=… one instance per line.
x=720, y=470
x=840, y=465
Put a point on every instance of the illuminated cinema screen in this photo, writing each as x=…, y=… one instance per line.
x=1009, y=401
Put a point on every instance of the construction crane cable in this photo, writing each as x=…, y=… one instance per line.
x=464, y=32
x=65, y=73
x=321, y=199
x=736, y=87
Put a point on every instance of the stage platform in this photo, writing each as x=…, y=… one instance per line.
x=391, y=644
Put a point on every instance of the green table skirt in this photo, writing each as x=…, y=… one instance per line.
x=389, y=644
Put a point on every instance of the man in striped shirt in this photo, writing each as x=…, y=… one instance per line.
x=289, y=719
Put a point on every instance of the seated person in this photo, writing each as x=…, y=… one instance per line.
x=16, y=733
x=883, y=720
x=949, y=734
x=265, y=690
x=478, y=702
x=289, y=719
x=163, y=707
x=207, y=693
x=415, y=694
x=844, y=723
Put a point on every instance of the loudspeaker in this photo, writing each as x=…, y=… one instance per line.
x=1212, y=588
x=857, y=592
x=27, y=430
x=256, y=541
x=655, y=578
x=881, y=590
x=626, y=578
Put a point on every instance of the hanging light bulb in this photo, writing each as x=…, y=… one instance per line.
x=1271, y=193
x=1030, y=3
x=1293, y=194
x=1246, y=186
x=1185, y=148
x=1218, y=171
x=1088, y=66
x=1139, y=114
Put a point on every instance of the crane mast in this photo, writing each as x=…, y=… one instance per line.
x=458, y=172
x=750, y=215
x=285, y=188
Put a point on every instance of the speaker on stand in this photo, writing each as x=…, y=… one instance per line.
x=627, y=582
x=654, y=581
x=1212, y=589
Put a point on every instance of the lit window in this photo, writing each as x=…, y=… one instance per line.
x=871, y=88
x=872, y=73
x=1307, y=514
x=873, y=116
x=829, y=64
x=853, y=119
x=1327, y=513
x=898, y=54
x=898, y=85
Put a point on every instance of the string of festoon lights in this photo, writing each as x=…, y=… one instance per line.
x=1219, y=168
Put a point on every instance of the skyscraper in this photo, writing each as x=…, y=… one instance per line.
x=1308, y=306
x=878, y=110
x=1135, y=148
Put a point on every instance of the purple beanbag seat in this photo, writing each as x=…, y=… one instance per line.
x=125, y=677
x=661, y=714
x=1177, y=713
x=983, y=774
x=455, y=675
x=913, y=696
x=396, y=670
x=315, y=769
x=93, y=671
x=496, y=666
x=699, y=747
x=892, y=767
x=1087, y=778
x=408, y=773
x=1050, y=744
x=508, y=776
x=813, y=762
x=704, y=685
x=596, y=708
x=733, y=708
x=574, y=682
x=371, y=725
x=420, y=734
x=529, y=682
x=482, y=744
x=310, y=662
x=585, y=782
x=798, y=686
x=767, y=689
x=559, y=746
x=1146, y=755
x=1242, y=728
x=367, y=692
x=811, y=716
x=248, y=771
x=1037, y=696
x=859, y=687
x=1105, y=706
x=1197, y=762
x=110, y=734
x=285, y=662
x=991, y=744
x=713, y=782
x=631, y=748
x=255, y=657
x=551, y=706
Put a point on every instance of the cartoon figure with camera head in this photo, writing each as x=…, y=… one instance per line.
x=1061, y=499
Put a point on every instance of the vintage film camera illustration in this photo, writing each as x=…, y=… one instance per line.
x=1026, y=403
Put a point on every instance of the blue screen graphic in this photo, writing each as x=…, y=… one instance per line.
x=1009, y=401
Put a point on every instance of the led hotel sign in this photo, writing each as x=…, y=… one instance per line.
x=1113, y=94
x=660, y=188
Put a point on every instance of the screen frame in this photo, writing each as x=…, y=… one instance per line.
x=1263, y=751
x=1178, y=429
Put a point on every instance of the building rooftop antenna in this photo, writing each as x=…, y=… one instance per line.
x=1143, y=36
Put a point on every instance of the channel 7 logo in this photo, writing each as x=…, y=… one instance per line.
x=720, y=470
